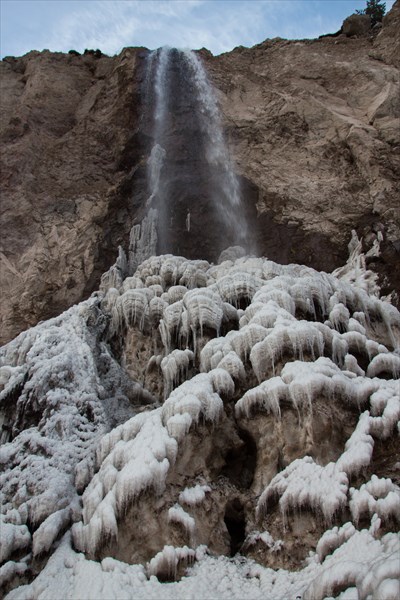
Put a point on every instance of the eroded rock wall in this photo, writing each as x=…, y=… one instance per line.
x=68, y=149
x=312, y=126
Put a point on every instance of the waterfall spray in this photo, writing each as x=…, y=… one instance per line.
x=159, y=58
x=229, y=200
x=189, y=169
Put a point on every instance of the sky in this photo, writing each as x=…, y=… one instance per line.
x=110, y=25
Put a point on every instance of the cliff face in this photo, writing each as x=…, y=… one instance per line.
x=68, y=129
x=311, y=126
x=314, y=126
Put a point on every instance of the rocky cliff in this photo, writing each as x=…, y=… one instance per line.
x=312, y=126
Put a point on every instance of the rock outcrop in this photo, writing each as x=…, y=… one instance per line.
x=312, y=126
x=69, y=154
x=356, y=25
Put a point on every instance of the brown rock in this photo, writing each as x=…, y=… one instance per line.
x=314, y=129
x=65, y=129
x=356, y=25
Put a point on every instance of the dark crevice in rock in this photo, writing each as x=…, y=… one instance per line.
x=240, y=462
x=287, y=243
x=235, y=523
x=9, y=413
x=362, y=358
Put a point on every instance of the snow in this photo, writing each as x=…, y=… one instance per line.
x=179, y=424
x=174, y=366
x=166, y=562
x=374, y=564
x=132, y=309
x=303, y=382
x=194, y=495
x=389, y=363
x=378, y=496
x=332, y=539
x=13, y=537
x=355, y=271
x=140, y=459
x=10, y=570
x=373, y=568
x=305, y=484
x=178, y=515
x=233, y=365
x=62, y=388
x=265, y=396
x=299, y=338
x=49, y=530
x=199, y=396
x=266, y=538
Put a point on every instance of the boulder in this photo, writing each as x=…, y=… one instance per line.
x=356, y=25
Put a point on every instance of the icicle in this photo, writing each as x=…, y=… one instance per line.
x=377, y=496
x=266, y=397
x=176, y=514
x=165, y=564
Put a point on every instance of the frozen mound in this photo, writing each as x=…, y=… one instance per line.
x=197, y=430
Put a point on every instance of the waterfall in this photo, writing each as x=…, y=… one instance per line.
x=161, y=87
x=189, y=170
x=154, y=167
x=229, y=200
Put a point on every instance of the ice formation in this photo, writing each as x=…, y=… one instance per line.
x=266, y=538
x=355, y=270
x=178, y=515
x=133, y=457
x=377, y=496
x=232, y=355
x=166, y=562
x=194, y=495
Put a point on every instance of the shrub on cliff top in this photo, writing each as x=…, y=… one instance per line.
x=375, y=9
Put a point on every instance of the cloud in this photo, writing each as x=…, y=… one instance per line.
x=113, y=24
x=219, y=25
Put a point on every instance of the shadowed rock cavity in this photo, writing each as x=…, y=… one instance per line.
x=235, y=523
x=241, y=462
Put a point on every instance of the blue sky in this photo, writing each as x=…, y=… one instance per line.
x=110, y=25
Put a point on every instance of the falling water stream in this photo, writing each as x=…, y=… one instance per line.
x=190, y=176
